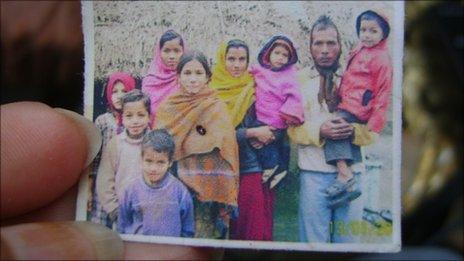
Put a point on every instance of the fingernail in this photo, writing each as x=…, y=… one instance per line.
x=94, y=138
x=61, y=240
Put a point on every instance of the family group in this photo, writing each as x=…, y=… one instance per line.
x=198, y=152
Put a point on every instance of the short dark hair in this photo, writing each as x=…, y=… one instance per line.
x=194, y=55
x=236, y=43
x=324, y=22
x=160, y=141
x=370, y=15
x=134, y=96
x=170, y=35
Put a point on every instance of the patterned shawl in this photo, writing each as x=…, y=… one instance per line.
x=237, y=93
x=200, y=126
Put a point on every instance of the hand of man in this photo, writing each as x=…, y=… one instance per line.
x=336, y=128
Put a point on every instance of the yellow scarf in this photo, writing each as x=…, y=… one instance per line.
x=237, y=93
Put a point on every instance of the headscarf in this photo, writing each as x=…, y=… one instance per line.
x=264, y=54
x=127, y=80
x=199, y=125
x=161, y=80
x=237, y=93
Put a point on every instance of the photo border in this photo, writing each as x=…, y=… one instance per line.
x=395, y=246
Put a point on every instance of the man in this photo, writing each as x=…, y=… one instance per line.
x=317, y=222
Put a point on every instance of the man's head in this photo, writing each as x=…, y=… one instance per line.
x=325, y=44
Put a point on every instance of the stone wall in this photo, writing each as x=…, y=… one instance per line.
x=125, y=32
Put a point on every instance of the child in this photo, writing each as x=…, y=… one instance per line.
x=109, y=125
x=157, y=203
x=120, y=162
x=278, y=102
x=364, y=98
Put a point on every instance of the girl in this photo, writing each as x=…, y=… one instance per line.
x=161, y=79
x=121, y=160
x=109, y=124
x=236, y=87
x=364, y=92
x=278, y=102
x=206, y=149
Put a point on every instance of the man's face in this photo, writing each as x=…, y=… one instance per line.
x=325, y=48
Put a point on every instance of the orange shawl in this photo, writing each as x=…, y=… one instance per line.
x=200, y=125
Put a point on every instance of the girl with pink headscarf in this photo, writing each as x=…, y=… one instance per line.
x=161, y=80
x=109, y=124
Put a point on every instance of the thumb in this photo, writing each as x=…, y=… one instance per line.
x=60, y=241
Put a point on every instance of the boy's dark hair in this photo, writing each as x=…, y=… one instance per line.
x=134, y=96
x=194, y=55
x=236, y=43
x=370, y=15
x=324, y=22
x=160, y=141
x=170, y=35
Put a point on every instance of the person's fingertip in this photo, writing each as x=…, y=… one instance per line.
x=61, y=240
x=93, y=135
x=107, y=243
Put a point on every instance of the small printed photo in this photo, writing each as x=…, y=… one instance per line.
x=247, y=124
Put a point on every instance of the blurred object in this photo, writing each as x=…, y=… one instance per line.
x=433, y=108
x=42, y=53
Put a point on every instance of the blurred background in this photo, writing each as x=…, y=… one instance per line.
x=42, y=59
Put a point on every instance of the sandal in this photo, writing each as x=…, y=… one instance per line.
x=338, y=187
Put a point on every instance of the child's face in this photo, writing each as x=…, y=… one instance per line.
x=370, y=33
x=155, y=165
x=193, y=77
x=171, y=53
x=278, y=57
x=118, y=92
x=236, y=61
x=135, y=118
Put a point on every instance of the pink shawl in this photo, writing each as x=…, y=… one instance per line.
x=160, y=82
x=277, y=93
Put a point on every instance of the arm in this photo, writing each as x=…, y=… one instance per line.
x=125, y=219
x=381, y=101
x=106, y=179
x=292, y=110
x=186, y=215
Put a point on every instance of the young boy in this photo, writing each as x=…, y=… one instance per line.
x=157, y=203
x=120, y=162
x=365, y=94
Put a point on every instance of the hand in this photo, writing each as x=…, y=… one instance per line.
x=256, y=144
x=336, y=128
x=290, y=120
x=263, y=134
x=43, y=153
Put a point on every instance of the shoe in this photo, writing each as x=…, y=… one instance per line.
x=267, y=173
x=344, y=199
x=386, y=215
x=277, y=178
x=373, y=218
x=338, y=187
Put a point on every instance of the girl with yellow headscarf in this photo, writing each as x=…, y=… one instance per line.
x=235, y=86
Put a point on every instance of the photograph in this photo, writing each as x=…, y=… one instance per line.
x=246, y=124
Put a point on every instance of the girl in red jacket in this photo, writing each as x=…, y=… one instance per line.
x=364, y=98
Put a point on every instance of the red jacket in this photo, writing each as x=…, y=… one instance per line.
x=368, y=69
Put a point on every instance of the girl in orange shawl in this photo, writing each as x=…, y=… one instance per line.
x=206, y=149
